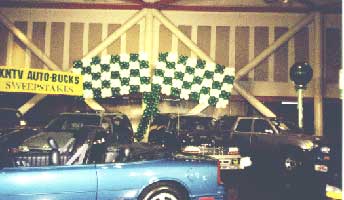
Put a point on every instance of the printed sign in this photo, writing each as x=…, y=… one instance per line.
x=40, y=81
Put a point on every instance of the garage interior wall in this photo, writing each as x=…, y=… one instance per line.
x=232, y=39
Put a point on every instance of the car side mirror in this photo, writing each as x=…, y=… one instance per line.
x=54, y=158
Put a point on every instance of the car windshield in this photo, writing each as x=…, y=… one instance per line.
x=285, y=126
x=160, y=120
x=9, y=118
x=196, y=123
x=72, y=122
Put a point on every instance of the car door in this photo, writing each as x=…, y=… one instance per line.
x=120, y=180
x=242, y=134
x=75, y=182
x=263, y=135
x=122, y=175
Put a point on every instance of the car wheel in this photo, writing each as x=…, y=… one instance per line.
x=163, y=191
x=290, y=164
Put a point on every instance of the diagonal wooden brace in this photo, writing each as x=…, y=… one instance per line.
x=39, y=53
x=25, y=40
x=50, y=64
x=200, y=107
x=273, y=47
x=254, y=63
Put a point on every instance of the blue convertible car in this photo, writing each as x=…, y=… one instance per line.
x=101, y=170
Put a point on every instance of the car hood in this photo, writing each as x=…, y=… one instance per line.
x=302, y=136
x=305, y=140
x=40, y=141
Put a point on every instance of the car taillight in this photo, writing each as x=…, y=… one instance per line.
x=13, y=150
x=219, y=181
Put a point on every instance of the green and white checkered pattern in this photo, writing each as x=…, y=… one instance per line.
x=193, y=79
x=114, y=75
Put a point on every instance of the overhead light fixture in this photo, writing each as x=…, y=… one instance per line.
x=288, y=102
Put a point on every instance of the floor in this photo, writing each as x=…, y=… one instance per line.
x=266, y=186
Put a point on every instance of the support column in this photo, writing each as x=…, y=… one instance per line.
x=318, y=76
x=149, y=36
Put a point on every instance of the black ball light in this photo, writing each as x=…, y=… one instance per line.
x=301, y=73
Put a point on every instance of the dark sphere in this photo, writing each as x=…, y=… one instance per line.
x=301, y=73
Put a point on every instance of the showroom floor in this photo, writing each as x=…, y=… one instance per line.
x=260, y=186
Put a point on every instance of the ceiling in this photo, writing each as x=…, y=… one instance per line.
x=306, y=5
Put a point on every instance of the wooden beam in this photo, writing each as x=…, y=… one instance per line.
x=318, y=76
x=94, y=105
x=166, y=2
x=31, y=103
x=273, y=47
x=308, y=3
x=253, y=101
x=108, y=41
x=188, y=42
x=136, y=6
x=149, y=35
x=26, y=41
x=115, y=35
x=39, y=53
x=111, y=38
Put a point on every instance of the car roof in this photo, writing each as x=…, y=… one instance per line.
x=11, y=109
x=93, y=113
x=184, y=115
x=242, y=117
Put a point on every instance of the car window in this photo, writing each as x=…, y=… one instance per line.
x=160, y=121
x=72, y=122
x=244, y=125
x=262, y=126
x=287, y=126
x=226, y=123
x=196, y=123
x=123, y=131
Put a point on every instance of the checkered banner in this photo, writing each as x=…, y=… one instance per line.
x=193, y=79
x=177, y=76
x=114, y=75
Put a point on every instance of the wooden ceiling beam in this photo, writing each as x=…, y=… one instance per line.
x=140, y=2
x=18, y=4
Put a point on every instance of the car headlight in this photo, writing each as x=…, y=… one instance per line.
x=333, y=192
x=23, y=148
x=325, y=149
x=22, y=123
x=307, y=145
